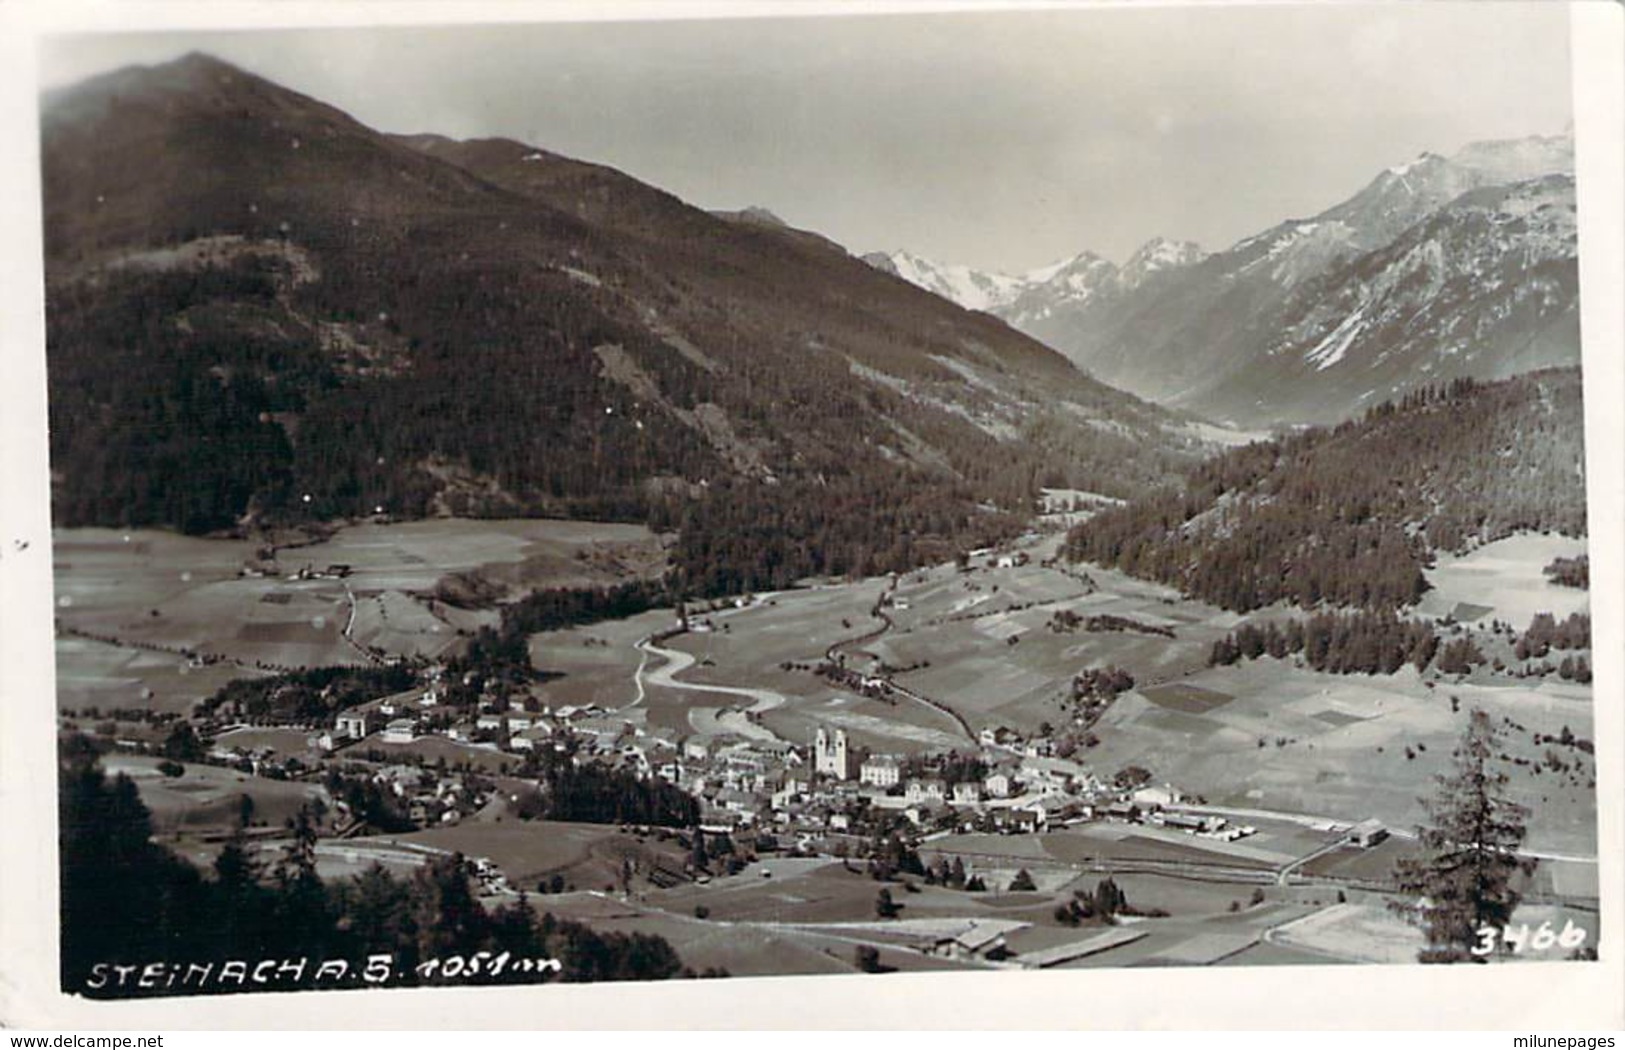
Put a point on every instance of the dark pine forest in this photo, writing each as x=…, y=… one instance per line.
x=1351, y=515
x=290, y=318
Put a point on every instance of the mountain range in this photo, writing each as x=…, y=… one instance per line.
x=1439, y=268
x=261, y=311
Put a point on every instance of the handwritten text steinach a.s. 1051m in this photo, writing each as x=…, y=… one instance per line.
x=293, y=973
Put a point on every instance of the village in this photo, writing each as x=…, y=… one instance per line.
x=443, y=764
x=953, y=765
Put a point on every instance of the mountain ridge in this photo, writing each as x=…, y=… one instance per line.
x=1190, y=334
x=262, y=311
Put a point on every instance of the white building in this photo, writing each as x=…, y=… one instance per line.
x=1151, y=797
x=882, y=771
x=931, y=790
x=352, y=725
x=832, y=757
x=1368, y=833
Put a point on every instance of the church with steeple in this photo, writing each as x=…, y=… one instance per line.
x=833, y=757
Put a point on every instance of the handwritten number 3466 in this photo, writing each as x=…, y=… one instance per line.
x=1520, y=938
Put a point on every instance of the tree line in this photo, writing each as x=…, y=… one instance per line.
x=1570, y=572
x=1545, y=633
x=310, y=696
x=593, y=793
x=1337, y=643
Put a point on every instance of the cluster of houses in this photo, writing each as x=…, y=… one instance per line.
x=831, y=785
x=745, y=782
x=430, y=799
x=1019, y=793
x=826, y=786
x=515, y=728
x=267, y=567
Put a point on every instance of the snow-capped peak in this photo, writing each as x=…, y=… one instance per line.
x=1084, y=266
x=1072, y=263
x=1421, y=160
x=1160, y=253
x=971, y=288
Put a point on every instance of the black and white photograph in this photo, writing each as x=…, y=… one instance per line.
x=865, y=497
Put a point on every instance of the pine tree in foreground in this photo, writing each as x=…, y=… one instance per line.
x=1461, y=885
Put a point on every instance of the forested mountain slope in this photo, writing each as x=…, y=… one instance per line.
x=1351, y=515
x=261, y=311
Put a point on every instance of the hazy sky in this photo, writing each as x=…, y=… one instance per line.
x=1002, y=140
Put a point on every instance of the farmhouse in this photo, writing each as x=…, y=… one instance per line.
x=925, y=813
x=732, y=810
x=529, y=739
x=1017, y=820
x=597, y=725
x=778, y=750
x=975, y=939
x=1054, y=774
x=994, y=736
x=929, y=790
x=661, y=738
x=1055, y=808
x=1368, y=833
x=1121, y=810
x=352, y=725
x=740, y=802
x=794, y=782
x=401, y=731
x=1000, y=783
x=967, y=793
x=1183, y=821
x=1151, y=797
x=400, y=779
